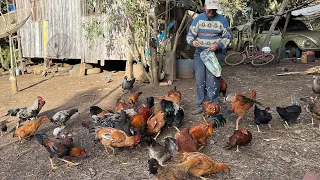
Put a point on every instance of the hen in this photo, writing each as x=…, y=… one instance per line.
x=27, y=113
x=170, y=171
x=210, y=108
x=312, y=108
x=124, y=124
x=127, y=84
x=289, y=113
x=202, y=131
x=121, y=104
x=241, y=105
x=173, y=95
x=61, y=117
x=60, y=147
x=223, y=88
x=186, y=141
x=155, y=124
x=161, y=153
x=205, y=166
x=240, y=137
x=29, y=128
x=262, y=116
x=134, y=98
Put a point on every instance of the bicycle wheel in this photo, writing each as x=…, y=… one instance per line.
x=263, y=60
x=235, y=58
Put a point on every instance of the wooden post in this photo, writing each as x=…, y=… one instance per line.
x=12, y=78
x=288, y=15
x=274, y=23
x=129, y=64
x=82, y=70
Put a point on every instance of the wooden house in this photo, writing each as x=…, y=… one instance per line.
x=56, y=30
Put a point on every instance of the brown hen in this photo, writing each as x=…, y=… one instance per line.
x=29, y=128
x=205, y=166
x=186, y=142
x=240, y=137
x=210, y=108
x=134, y=98
x=121, y=104
x=155, y=124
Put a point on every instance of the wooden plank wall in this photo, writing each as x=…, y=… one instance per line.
x=65, y=35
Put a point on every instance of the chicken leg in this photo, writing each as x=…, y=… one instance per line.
x=237, y=148
x=107, y=150
x=269, y=126
x=258, y=129
x=237, y=122
x=286, y=125
x=69, y=162
x=203, y=178
x=157, y=135
x=53, y=166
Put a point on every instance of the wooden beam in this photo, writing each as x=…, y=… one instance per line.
x=282, y=35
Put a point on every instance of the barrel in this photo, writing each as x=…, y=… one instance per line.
x=185, y=68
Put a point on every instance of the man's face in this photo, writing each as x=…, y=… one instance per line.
x=210, y=12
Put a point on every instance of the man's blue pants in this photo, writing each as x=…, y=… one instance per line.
x=205, y=81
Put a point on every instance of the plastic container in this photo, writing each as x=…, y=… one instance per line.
x=308, y=56
x=185, y=68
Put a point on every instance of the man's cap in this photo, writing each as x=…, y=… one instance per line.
x=212, y=4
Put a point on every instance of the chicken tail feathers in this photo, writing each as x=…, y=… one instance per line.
x=218, y=120
x=250, y=100
x=41, y=138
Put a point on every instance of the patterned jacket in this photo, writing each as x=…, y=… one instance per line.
x=209, y=31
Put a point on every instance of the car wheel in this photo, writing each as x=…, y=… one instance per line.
x=293, y=52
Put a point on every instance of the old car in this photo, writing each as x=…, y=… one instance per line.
x=297, y=38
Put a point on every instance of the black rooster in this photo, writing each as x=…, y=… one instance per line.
x=174, y=114
x=127, y=84
x=289, y=113
x=61, y=117
x=262, y=116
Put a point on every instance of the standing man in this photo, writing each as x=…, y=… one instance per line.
x=208, y=30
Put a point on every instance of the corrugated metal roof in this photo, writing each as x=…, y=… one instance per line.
x=307, y=11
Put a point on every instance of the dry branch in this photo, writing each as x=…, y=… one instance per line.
x=313, y=70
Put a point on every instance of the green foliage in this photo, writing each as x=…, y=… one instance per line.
x=93, y=31
x=5, y=53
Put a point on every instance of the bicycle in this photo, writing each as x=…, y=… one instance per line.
x=257, y=58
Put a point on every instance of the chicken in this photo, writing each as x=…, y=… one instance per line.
x=161, y=153
x=202, y=131
x=134, y=98
x=63, y=116
x=312, y=108
x=3, y=127
x=262, y=116
x=289, y=113
x=60, y=147
x=170, y=171
x=27, y=113
x=29, y=129
x=210, y=108
x=240, y=137
x=223, y=88
x=174, y=92
x=205, y=166
x=96, y=110
x=316, y=85
x=174, y=114
x=124, y=124
x=121, y=104
x=186, y=141
x=127, y=84
x=155, y=124
x=242, y=104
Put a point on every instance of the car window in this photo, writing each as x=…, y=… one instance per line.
x=294, y=25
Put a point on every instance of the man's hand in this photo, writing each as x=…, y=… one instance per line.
x=214, y=47
x=195, y=43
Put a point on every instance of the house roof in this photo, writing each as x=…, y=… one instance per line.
x=312, y=10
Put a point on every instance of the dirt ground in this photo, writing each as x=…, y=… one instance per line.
x=275, y=153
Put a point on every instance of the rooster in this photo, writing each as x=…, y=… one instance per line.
x=240, y=137
x=202, y=131
x=242, y=104
x=60, y=147
x=63, y=116
x=127, y=84
x=174, y=114
x=27, y=113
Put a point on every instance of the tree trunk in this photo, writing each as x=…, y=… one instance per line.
x=274, y=23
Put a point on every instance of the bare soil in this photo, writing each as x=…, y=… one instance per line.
x=277, y=153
